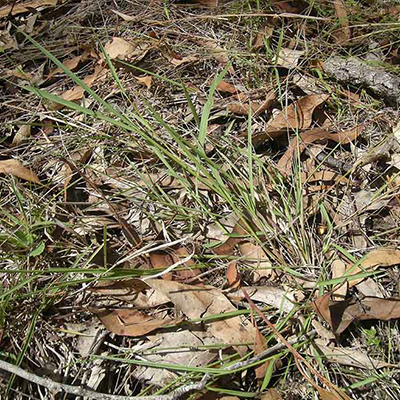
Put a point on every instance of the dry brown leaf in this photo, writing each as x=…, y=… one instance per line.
x=271, y=394
x=299, y=143
x=145, y=80
x=226, y=87
x=343, y=34
x=351, y=357
x=382, y=257
x=340, y=314
x=326, y=395
x=289, y=58
x=297, y=115
x=129, y=322
x=202, y=301
x=14, y=9
x=24, y=132
x=232, y=275
x=184, y=60
x=15, y=168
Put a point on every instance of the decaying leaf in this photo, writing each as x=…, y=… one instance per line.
x=130, y=322
x=232, y=275
x=299, y=143
x=340, y=314
x=23, y=133
x=351, y=357
x=382, y=257
x=297, y=115
x=289, y=58
x=226, y=87
x=202, y=301
x=15, y=168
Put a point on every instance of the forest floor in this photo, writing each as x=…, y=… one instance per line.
x=199, y=200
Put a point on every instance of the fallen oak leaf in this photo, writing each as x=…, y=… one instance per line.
x=297, y=115
x=15, y=168
x=340, y=314
x=130, y=322
x=232, y=275
x=300, y=143
x=382, y=257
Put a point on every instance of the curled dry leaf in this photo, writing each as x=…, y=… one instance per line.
x=129, y=322
x=383, y=257
x=300, y=143
x=145, y=80
x=340, y=314
x=203, y=301
x=15, y=168
x=23, y=133
x=297, y=115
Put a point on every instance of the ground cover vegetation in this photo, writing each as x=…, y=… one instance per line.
x=199, y=200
